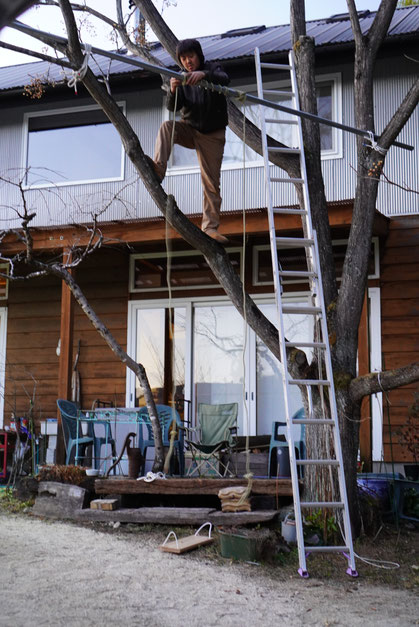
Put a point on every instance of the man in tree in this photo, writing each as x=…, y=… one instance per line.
x=203, y=124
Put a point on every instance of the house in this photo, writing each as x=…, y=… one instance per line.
x=190, y=338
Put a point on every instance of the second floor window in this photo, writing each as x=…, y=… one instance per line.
x=329, y=106
x=69, y=146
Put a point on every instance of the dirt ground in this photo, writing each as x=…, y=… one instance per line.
x=58, y=573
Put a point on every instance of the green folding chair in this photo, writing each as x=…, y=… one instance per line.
x=213, y=442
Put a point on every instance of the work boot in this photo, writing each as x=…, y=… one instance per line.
x=157, y=171
x=217, y=236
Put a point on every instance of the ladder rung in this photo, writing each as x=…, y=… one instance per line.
x=276, y=66
x=291, y=211
x=278, y=92
x=335, y=504
x=293, y=151
x=286, y=180
x=308, y=382
x=299, y=309
x=306, y=344
x=313, y=421
x=284, y=242
x=317, y=462
x=297, y=274
x=326, y=549
x=280, y=121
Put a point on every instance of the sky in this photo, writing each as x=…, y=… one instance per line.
x=187, y=18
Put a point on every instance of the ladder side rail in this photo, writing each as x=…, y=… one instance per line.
x=281, y=332
x=268, y=191
x=334, y=416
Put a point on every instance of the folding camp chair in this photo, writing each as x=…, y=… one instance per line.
x=215, y=437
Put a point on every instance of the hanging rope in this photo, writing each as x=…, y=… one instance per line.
x=78, y=75
x=249, y=474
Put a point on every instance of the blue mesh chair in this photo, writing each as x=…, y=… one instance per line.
x=68, y=411
x=279, y=440
x=166, y=416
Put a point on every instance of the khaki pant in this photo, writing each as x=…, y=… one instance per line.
x=209, y=149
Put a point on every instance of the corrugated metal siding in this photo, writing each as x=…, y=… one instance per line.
x=75, y=204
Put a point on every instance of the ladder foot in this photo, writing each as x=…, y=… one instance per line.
x=303, y=573
x=351, y=572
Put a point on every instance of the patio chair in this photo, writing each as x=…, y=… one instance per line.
x=215, y=436
x=166, y=416
x=279, y=440
x=68, y=411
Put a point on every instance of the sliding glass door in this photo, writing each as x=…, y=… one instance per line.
x=200, y=352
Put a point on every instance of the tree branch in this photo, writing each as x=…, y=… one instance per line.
x=377, y=382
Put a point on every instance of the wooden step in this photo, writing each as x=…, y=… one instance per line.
x=187, y=486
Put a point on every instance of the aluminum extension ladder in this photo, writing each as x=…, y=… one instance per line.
x=315, y=308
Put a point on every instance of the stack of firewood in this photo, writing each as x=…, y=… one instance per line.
x=234, y=499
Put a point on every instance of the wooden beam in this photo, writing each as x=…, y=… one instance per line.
x=66, y=358
x=190, y=486
x=153, y=231
x=365, y=436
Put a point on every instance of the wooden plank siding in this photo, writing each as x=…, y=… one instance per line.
x=399, y=327
x=33, y=330
x=103, y=279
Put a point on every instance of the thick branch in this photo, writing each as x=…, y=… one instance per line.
x=377, y=382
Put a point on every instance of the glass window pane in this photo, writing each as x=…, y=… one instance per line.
x=186, y=272
x=270, y=396
x=233, y=151
x=73, y=153
x=218, y=356
x=161, y=350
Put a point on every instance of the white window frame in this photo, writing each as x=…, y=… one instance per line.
x=336, y=153
x=255, y=263
x=163, y=255
x=49, y=112
x=3, y=337
x=374, y=295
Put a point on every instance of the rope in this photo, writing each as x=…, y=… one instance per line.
x=78, y=75
x=152, y=476
x=249, y=474
x=373, y=144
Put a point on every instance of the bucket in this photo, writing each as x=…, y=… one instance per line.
x=135, y=462
x=288, y=529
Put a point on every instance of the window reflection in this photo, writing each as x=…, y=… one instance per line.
x=218, y=356
x=62, y=151
x=161, y=350
x=270, y=395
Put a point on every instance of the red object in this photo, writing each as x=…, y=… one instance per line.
x=7, y=443
x=3, y=454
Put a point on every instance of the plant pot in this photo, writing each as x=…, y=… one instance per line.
x=377, y=486
x=406, y=499
x=240, y=547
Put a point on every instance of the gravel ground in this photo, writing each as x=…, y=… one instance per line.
x=59, y=574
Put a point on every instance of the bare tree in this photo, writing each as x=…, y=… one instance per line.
x=344, y=305
x=27, y=265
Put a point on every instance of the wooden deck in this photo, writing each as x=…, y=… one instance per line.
x=191, y=486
